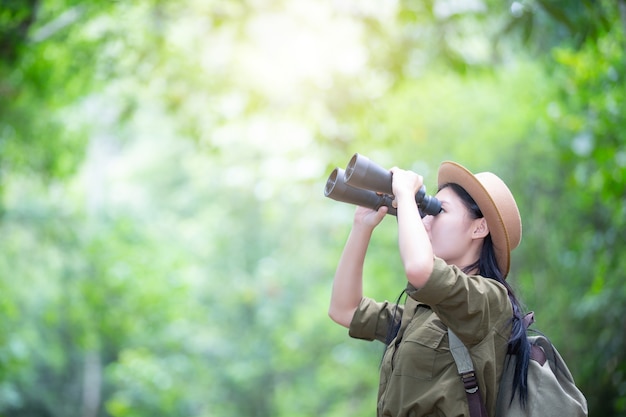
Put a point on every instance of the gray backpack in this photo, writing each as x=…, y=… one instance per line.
x=552, y=391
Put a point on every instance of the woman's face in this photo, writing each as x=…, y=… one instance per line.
x=453, y=232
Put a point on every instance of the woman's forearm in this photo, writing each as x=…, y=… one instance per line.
x=414, y=244
x=415, y=249
x=347, y=290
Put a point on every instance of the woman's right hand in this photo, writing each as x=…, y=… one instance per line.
x=369, y=218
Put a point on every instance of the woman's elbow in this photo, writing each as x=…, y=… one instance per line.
x=341, y=317
x=418, y=273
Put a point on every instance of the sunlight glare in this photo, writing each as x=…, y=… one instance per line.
x=306, y=43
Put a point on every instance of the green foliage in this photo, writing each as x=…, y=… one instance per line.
x=47, y=65
x=574, y=213
x=167, y=246
x=594, y=159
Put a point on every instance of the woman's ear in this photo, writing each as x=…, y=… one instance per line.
x=481, y=230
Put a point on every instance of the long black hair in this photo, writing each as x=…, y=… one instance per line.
x=487, y=267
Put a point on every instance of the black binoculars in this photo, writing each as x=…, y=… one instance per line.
x=367, y=184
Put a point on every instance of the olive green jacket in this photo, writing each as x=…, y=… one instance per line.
x=418, y=374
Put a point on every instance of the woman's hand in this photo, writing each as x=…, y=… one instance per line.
x=405, y=184
x=369, y=218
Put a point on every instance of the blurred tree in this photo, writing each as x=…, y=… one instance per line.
x=168, y=249
x=46, y=64
x=575, y=201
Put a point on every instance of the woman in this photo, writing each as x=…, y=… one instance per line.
x=455, y=263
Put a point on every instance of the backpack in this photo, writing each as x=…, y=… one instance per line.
x=552, y=391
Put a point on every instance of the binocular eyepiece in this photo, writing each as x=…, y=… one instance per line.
x=367, y=184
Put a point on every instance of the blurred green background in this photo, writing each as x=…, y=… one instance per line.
x=167, y=249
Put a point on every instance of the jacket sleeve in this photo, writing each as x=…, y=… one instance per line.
x=471, y=305
x=371, y=320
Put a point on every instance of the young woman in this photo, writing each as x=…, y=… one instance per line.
x=455, y=263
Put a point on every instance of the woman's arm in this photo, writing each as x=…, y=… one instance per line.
x=347, y=289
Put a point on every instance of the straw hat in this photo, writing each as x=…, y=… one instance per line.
x=495, y=202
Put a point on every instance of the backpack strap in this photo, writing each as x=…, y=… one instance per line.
x=465, y=367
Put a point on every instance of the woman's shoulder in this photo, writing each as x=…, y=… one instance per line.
x=448, y=281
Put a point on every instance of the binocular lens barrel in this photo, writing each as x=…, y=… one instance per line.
x=367, y=184
x=337, y=189
x=363, y=173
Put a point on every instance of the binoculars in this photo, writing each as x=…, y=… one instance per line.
x=367, y=184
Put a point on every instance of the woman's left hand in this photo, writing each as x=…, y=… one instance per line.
x=405, y=183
